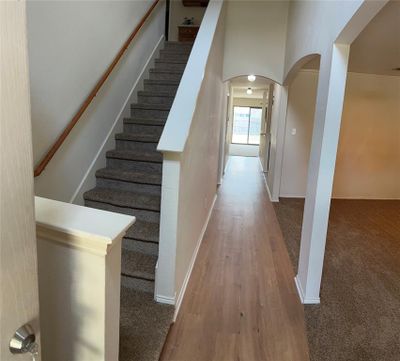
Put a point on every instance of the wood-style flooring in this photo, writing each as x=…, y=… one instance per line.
x=241, y=303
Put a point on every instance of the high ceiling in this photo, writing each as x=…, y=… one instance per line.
x=377, y=49
x=241, y=84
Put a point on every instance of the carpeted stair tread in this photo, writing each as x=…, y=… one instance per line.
x=161, y=82
x=124, y=199
x=130, y=176
x=136, y=155
x=144, y=231
x=144, y=326
x=178, y=44
x=144, y=138
x=171, y=61
x=145, y=121
x=173, y=71
x=138, y=265
x=156, y=94
x=151, y=106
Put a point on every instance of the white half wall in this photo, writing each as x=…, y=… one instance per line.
x=368, y=159
x=190, y=143
x=65, y=63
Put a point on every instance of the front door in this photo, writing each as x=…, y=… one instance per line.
x=19, y=303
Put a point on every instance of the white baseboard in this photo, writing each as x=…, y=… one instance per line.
x=286, y=195
x=192, y=261
x=264, y=174
x=166, y=300
x=88, y=180
x=304, y=300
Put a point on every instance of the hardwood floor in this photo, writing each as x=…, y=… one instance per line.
x=241, y=303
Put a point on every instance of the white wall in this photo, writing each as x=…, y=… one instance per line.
x=255, y=39
x=277, y=134
x=313, y=27
x=178, y=12
x=299, y=120
x=70, y=46
x=368, y=160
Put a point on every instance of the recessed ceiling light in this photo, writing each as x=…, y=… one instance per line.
x=249, y=91
x=251, y=77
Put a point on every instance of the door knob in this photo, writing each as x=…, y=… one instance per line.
x=23, y=341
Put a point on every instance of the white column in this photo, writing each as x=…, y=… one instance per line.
x=328, y=113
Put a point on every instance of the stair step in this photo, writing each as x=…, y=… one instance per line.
x=145, y=156
x=144, y=138
x=130, y=176
x=144, y=231
x=170, y=64
x=145, y=121
x=160, y=74
x=156, y=97
x=137, y=284
x=124, y=199
x=154, y=111
x=142, y=237
x=178, y=45
x=144, y=326
x=170, y=86
x=145, y=129
x=138, y=265
x=174, y=54
x=136, y=142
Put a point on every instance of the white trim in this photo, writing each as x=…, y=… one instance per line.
x=288, y=195
x=166, y=300
x=87, y=180
x=92, y=230
x=264, y=174
x=303, y=299
x=192, y=261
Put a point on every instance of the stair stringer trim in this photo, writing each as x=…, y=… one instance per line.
x=89, y=180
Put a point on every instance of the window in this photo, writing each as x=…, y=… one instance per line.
x=246, y=125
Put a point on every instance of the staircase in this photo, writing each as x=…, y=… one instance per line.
x=131, y=184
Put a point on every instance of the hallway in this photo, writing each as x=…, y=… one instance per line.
x=241, y=302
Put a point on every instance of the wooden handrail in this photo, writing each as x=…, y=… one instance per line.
x=57, y=144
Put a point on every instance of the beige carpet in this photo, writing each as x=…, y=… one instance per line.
x=359, y=315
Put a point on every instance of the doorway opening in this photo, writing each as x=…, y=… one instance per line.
x=248, y=116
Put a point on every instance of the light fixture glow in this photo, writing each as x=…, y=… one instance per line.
x=249, y=91
x=251, y=77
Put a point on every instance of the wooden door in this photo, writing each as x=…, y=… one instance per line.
x=19, y=303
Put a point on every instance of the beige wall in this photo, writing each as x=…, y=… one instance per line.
x=255, y=38
x=177, y=12
x=368, y=161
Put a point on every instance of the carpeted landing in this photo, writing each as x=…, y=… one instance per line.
x=144, y=325
x=359, y=315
